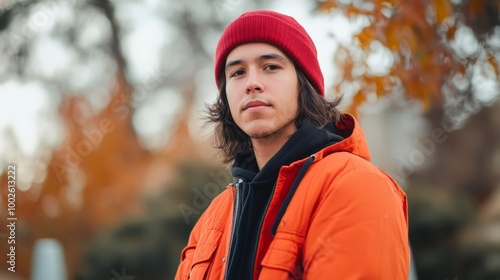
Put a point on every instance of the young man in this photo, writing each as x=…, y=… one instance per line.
x=306, y=202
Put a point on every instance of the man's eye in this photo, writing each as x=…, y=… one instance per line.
x=237, y=73
x=272, y=67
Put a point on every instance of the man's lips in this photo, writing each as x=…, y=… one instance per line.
x=254, y=104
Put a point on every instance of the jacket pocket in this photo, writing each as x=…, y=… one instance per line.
x=204, y=255
x=282, y=261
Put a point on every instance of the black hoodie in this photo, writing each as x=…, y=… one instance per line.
x=255, y=188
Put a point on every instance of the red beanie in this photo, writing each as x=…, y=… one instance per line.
x=276, y=29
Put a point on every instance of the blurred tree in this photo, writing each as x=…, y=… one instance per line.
x=439, y=52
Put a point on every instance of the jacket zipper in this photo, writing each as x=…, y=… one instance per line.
x=235, y=213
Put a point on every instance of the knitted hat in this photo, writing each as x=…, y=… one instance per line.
x=276, y=29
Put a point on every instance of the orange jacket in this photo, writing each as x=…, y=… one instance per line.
x=347, y=220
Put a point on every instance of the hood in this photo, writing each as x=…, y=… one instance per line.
x=354, y=139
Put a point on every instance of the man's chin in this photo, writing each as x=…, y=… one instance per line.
x=260, y=132
x=263, y=134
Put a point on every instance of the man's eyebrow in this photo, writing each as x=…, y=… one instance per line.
x=233, y=63
x=271, y=56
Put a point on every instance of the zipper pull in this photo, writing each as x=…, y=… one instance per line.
x=239, y=182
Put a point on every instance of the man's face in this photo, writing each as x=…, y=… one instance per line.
x=262, y=90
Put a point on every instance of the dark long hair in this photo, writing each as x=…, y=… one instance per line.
x=231, y=140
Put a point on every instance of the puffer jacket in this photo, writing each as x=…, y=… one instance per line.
x=343, y=219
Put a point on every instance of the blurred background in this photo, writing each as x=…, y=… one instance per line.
x=102, y=106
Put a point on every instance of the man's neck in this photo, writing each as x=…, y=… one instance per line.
x=265, y=148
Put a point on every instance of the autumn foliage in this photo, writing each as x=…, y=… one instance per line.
x=430, y=45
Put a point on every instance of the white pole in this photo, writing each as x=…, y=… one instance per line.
x=48, y=260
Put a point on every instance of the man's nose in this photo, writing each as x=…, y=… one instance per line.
x=254, y=81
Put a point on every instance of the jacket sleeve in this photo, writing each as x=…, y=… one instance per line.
x=187, y=253
x=359, y=230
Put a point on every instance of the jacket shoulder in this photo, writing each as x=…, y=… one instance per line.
x=345, y=162
x=216, y=214
x=344, y=166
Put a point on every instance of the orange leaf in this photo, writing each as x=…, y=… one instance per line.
x=358, y=98
x=462, y=69
x=327, y=5
x=365, y=36
x=352, y=11
x=411, y=39
x=426, y=103
x=391, y=40
x=450, y=33
x=443, y=10
x=379, y=85
x=494, y=64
